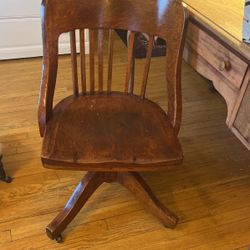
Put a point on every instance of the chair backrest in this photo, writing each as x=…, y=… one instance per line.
x=163, y=18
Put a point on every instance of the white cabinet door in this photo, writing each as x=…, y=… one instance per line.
x=18, y=8
x=20, y=30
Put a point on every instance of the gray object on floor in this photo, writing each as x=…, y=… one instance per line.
x=3, y=176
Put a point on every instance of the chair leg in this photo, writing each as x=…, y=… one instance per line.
x=82, y=193
x=3, y=176
x=135, y=183
x=87, y=186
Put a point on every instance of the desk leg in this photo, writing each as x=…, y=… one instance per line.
x=3, y=176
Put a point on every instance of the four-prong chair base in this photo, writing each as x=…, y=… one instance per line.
x=87, y=186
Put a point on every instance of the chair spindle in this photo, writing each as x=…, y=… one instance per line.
x=110, y=58
x=74, y=62
x=83, y=61
x=147, y=66
x=129, y=84
x=92, y=60
x=100, y=60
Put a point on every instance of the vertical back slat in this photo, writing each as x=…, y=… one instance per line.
x=147, y=66
x=74, y=61
x=83, y=61
x=100, y=60
x=132, y=76
x=110, y=58
x=92, y=60
x=129, y=83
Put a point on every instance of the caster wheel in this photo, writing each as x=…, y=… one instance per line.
x=59, y=239
x=7, y=179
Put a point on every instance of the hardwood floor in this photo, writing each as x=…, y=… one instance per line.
x=210, y=192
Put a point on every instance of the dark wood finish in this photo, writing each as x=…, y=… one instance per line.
x=110, y=59
x=129, y=82
x=74, y=62
x=87, y=186
x=116, y=131
x=128, y=15
x=83, y=62
x=113, y=133
x=135, y=183
x=92, y=60
x=147, y=66
x=82, y=193
x=100, y=59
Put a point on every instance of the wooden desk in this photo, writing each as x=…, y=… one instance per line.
x=214, y=48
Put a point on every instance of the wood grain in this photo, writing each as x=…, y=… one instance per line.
x=74, y=62
x=117, y=133
x=242, y=122
x=230, y=21
x=214, y=56
x=110, y=59
x=110, y=135
x=133, y=18
x=206, y=15
x=83, y=62
x=217, y=55
x=92, y=60
x=147, y=66
x=129, y=82
x=210, y=192
x=100, y=61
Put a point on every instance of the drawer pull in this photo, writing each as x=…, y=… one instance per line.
x=225, y=65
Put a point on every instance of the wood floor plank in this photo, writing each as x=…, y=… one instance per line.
x=5, y=236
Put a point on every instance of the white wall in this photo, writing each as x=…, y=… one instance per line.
x=20, y=30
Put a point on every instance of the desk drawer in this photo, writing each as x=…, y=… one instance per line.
x=219, y=57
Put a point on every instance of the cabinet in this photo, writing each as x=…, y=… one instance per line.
x=20, y=29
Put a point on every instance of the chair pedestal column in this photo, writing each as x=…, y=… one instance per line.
x=87, y=186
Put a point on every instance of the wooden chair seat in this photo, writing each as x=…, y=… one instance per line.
x=121, y=131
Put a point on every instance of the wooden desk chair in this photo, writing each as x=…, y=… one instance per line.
x=112, y=135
